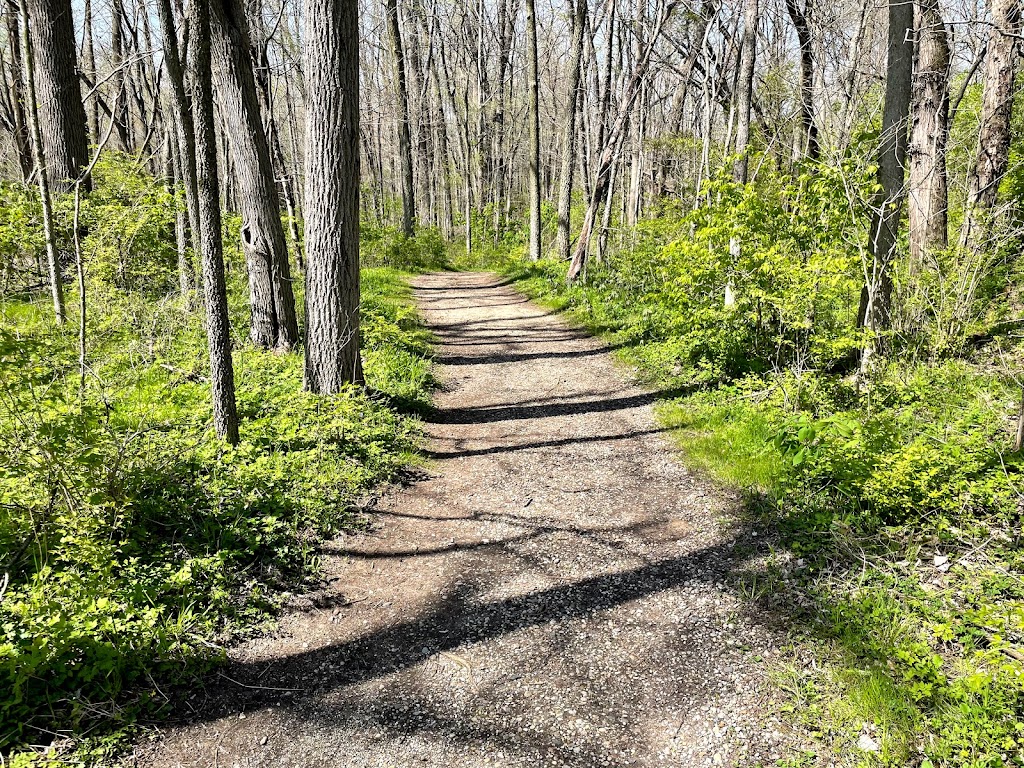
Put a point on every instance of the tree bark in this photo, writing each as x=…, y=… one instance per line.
x=875, y=312
x=745, y=89
x=612, y=145
x=42, y=169
x=18, y=122
x=564, y=241
x=273, y=324
x=996, y=113
x=62, y=119
x=122, y=122
x=806, y=144
x=89, y=62
x=218, y=328
x=928, y=197
x=404, y=140
x=183, y=127
x=331, y=59
x=533, y=119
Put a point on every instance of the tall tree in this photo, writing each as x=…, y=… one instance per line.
x=183, y=127
x=806, y=143
x=927, y=187
x=62, y=119
x=533, y=119
x=612, y=143
x=89, y=64
x=218, y=328
x=578, y=11
x=42, y=169
x=996, y=111
x=875, y=312
x=331, y=64
x=273, y=324
x=404, y=140
x=13, y=112
x=745, y=89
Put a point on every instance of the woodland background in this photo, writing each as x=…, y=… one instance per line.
x=799, y=221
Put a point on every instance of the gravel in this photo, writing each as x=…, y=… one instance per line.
x=550, y=592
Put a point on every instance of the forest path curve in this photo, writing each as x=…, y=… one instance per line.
x=550, y=593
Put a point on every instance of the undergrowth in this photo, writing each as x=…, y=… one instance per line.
x=133, y=543
x=894, y=502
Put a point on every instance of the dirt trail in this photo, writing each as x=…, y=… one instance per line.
x=550, y=594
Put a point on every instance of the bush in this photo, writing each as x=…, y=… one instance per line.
x=388, y=247
x=134, y=542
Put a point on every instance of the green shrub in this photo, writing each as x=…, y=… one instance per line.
x=388, y=247
x=134, y=541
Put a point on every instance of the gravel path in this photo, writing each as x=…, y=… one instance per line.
x=550, y=593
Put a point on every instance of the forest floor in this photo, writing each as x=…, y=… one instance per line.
x=552, y=590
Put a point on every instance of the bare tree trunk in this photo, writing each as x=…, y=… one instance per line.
x=806, y=144
x=218, y=328
x=853, y=67
x=274, y=325
x=331, y=60
x=122, y=122
x=996, y=112
x=404, y=140
x=613, y=145
x=745, y=89
x=184, y=126
x=18, y=127
x=875, y=312
x=182, y=234
x=62, y=119
x=261, y=68
x=43, y=172
x=89, y=63
x=564, y=243
x=928, y=198
x=533, y=118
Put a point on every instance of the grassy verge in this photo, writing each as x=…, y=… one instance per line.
x=895, y=517
x=133, y=544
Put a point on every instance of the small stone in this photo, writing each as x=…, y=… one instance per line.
x=867, y=744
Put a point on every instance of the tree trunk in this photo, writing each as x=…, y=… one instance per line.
x=806, y=144
x=928, y=198
x=43, y=172
x=996, y=112
x=183, y=127
x=261, y=69
x=122, y=122
x=182, y=234
x=331, y=61
x=875, y=312
x=89, y=64
x=274, y=325
x=533, y=118
x=404, y=140
x=745, y=89
x=564, y=242
x=62, y=119
x=218, y=328
x=19, y=128
x=613, y=145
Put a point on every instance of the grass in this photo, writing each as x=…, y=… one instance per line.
x=864, y=492
x=135, y=544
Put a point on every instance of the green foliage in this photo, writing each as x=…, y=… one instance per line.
x=900, y=502
x=388, y=247
x=22, y=246
x=129, y=224
x=133, y=542
x=794, y=281
x=894, y=502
